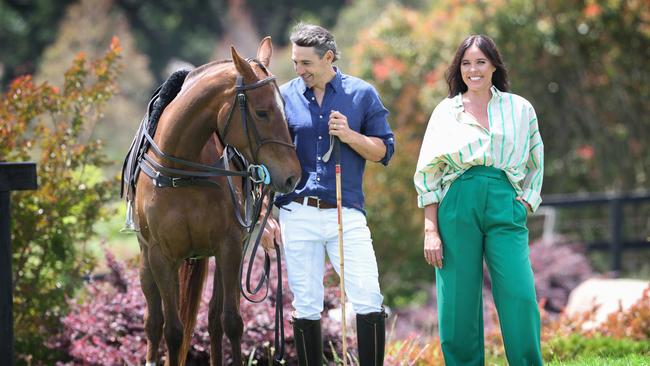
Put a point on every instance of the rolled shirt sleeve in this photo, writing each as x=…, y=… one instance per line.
x=532, y=185
x=376, y=124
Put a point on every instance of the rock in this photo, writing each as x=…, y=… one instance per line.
x=607, y=294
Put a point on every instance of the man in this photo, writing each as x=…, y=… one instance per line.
x=323, y=103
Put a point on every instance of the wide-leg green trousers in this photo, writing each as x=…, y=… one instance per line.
x=478, y=217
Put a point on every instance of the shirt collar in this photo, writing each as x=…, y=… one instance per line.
x=335, y=83
x=496, y=93
x=458, y=99
x=457, y=102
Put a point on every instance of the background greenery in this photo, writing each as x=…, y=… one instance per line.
x=582, y=64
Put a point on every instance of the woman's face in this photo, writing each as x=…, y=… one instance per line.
x=476, y=70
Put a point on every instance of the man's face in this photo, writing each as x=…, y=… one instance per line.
x=312, y=69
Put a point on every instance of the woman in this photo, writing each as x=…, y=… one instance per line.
x=479, y=173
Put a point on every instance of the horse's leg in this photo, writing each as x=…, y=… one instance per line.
x=153, y=318
x=230, y=318
x=214, y=318
x=165, y=273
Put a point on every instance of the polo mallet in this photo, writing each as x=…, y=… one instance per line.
x=337, y=154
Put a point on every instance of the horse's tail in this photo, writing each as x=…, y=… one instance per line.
x=192, y=276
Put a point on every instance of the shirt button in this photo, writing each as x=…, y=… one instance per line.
x=320, y=137
x=318, y=157
x=312, y=98
x=318, y=179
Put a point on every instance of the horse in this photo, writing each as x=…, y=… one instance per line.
x=181, y=206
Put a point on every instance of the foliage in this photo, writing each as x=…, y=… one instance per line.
x=100, y=20
x=558, y=270
x=27, y=27
x=566, y=348
x=51, y=225
x=580, y=64
x=564, y=338
x=105, y=323
x=164, y=29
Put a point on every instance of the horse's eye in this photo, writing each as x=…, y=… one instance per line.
x=261, y=114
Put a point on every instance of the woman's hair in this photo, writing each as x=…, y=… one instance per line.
x=309, y=35
x=487, y=46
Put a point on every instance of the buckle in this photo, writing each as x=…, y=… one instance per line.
x=174, y=180
x=259, y=174
x=155, y=180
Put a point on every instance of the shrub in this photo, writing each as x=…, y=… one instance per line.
x=105, y=323
x=50, y=125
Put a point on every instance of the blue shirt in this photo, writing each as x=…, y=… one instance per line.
x=308, y=125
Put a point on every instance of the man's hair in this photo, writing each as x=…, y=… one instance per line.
x=310, y=35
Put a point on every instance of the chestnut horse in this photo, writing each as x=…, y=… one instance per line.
x=182, y=203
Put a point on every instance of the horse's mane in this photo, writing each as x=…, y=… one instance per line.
x=202, y=68
x=168, y=92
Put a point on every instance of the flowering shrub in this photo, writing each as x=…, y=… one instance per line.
x=105, y=324
x=51, y=125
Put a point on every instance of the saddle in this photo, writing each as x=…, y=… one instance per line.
x=161, y=97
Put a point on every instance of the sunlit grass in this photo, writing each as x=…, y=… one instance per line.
x=123, y=246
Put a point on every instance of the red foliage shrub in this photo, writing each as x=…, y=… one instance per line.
x=105, y=323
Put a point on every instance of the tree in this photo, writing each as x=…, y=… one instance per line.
x=25, y=30
x=581, y=64
x=100, y=20
x=51, y=225
x=163, y=29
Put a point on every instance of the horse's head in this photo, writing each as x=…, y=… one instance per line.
x=258, y=127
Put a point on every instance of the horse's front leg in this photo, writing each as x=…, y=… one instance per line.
x=165, y=273
x=153, y=318
x=214, y=317
x=231, y=318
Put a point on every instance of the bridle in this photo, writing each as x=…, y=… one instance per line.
x=242, y=99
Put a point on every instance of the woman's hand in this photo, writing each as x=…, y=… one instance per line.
x=433, y=249
x=528, y=207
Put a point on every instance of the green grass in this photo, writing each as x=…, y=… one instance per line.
x=588, y=360
x=123, y=246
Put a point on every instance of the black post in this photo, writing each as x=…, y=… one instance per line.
x=616, y=219
x=6, y=286
x=13, y=176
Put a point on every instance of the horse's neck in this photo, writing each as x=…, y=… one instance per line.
x=188, y=123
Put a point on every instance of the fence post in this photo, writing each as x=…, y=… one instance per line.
x=13, y=176
x=615, y=248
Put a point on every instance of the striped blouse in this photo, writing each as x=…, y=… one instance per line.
x=454, y=142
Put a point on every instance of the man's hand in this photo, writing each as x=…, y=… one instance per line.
x=338, y=126
x=271, y=233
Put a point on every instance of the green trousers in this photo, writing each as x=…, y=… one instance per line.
x=478, y=217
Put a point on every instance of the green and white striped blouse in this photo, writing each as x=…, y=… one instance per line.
x=454, y=142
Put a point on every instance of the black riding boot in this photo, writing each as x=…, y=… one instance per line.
x=371, y=337
x=309, y=342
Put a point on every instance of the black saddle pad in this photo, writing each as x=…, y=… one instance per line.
x=163, y=95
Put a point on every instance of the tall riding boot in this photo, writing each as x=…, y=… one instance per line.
x=309, y=342
x=371, y=337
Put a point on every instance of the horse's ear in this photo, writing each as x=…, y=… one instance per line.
x=243, y=67
x=265, y=51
